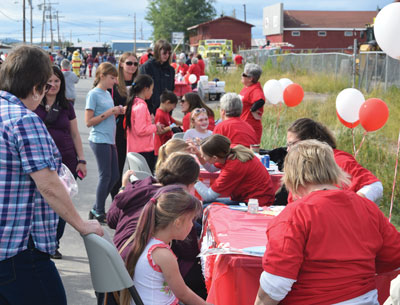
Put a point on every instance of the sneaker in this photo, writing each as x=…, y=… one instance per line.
x=56, y=255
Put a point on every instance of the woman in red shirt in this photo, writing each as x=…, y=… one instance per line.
x=363, y=182
x=252, y=98
x=242, y=176
x=192, y=101
x=327, y=246
x=201, y=64
x=195, y=69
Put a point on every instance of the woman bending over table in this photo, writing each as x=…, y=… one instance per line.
x=363, y=182
x=242, y=176
x=327, y=246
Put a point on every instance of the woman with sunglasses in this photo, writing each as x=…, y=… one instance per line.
x=199, y=124
x=127, y=71
x=160, y=70
x=191, y=101
x=59, y=116
x=253, y=98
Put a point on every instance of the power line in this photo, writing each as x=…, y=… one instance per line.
x=9, y=17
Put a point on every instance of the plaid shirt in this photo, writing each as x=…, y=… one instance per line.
x=25, y=147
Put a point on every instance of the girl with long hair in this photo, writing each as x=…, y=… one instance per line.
x=100, y=114
x=242, y=176
x=167, y=216
x=140, y=127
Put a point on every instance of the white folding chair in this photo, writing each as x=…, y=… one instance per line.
x=178, y=135
x=138, y=164
x=107, y=268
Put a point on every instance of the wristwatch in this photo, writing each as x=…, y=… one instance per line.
x=82, y=161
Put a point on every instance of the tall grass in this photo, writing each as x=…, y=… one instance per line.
x=378, y=151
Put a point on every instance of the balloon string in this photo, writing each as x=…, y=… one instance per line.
x=354, y=142
x=362, y=142
x=277, y=124
x=394, y=179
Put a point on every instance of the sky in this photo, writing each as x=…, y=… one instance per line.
x=105, y=20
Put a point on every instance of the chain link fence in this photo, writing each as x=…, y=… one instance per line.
x=366, y=70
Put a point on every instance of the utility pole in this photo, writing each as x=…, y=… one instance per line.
x=43, y=7
x=70, y=37
x=58, y=32
x=244, y=7
x=51, y=29
x=23, y=22
x=134, y=33
x=141, y=31
x=100, y=30
x=30, y=4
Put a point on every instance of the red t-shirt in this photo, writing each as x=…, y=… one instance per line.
x=202, y=66
x=238, y=59
x=195, y=69
x=165, y=119
x=360, y=176
x=143, y=58
x=332, y=243
x=183, y=69
x=238, y=131
x=244, y=180
x=186, y=122
x=249, y=96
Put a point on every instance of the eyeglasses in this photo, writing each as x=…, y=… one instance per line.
x=199, y=110
x=47, y=88
x=245, y=75
x=130, y=63
x=290, y=144
x=163, y=52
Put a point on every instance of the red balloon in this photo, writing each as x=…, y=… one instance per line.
x=293, y=95
x=373, y=114
x=347, y=124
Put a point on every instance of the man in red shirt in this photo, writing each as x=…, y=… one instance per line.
x=238, y=60
x=232, y=127
x=146, y=56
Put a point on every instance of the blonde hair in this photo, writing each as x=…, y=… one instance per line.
x=173, y=145
x=121, y=81
x=312, y=162
x=220, y=146
x=105, y=68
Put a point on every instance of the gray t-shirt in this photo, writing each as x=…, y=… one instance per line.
x=70, y=80
x=193, y=134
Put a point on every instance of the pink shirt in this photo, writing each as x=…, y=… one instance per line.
x=140, y=136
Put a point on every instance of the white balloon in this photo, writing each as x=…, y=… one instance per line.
x=285, y=82
x=192, y=78
x=386, y=29
x=348, y=104
x=273, y=91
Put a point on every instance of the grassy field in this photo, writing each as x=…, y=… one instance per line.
x=378, y=152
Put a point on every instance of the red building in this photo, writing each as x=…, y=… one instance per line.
x=222, y=28
x=316, y=29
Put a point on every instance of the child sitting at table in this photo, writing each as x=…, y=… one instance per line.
x=191, y=101
x=167, y=216
x=242, y=176
x=199, y=124
x=140, y=128
x=168, y=101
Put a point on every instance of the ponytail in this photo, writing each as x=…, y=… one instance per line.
x=242, y=153
x=141, y=82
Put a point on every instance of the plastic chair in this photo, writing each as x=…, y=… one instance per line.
x=107, y=268
x=138, y=164
x=178, y=135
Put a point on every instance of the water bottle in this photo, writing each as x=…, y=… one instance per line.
x=252, y=206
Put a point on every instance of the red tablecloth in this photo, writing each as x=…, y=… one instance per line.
x=181, y=88
x=234, y=279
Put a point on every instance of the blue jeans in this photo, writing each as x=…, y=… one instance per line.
x=30, y=277
x=107, y=163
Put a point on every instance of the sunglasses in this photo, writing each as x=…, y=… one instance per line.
x=165, y=52
x=245, y=75
x=130, y=63
x=199, y=110
x=47, y=88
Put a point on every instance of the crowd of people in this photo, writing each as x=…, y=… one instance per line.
x=332, y=219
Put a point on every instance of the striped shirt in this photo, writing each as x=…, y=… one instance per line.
x=25, y=147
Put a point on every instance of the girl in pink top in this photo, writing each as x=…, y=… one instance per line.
x=139, y=124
